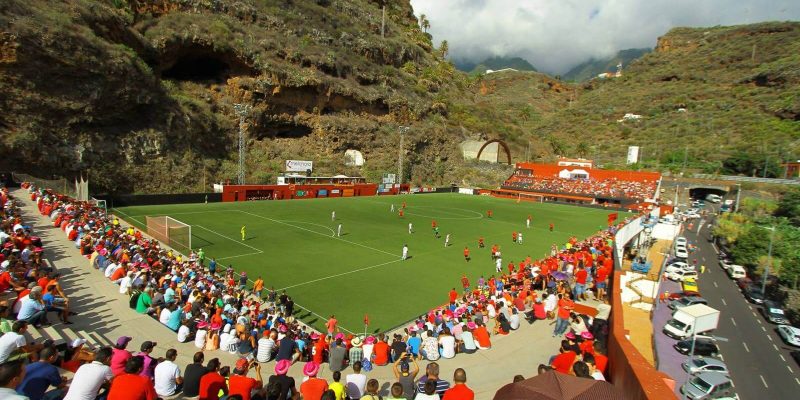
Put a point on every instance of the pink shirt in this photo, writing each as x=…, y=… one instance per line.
x=118, y=360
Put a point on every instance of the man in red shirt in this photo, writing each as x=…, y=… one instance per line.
x=331, y=325
x=565, y=306
x=243, y=385
x=381, y=351
x=212, y=382
x=580, y=283
x=563, y=362
x=465, y=283
x=453, y=296
x=314, y=387
x=319, y=348
x=459, y=391
x=466, y=253
x=131, y=385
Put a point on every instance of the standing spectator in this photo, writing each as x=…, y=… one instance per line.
x=120, y=355
x=459, y=391
x=40, y=375
x=336, y=355
x=356, y=382
x=242, y=385
x=91, y=377
x=132, y=385
x=432, y=375
x=258, y=287
x=280, y=386
x=192, y=374
x=212, y=382
x=314, y=387
x=331, y=325
x=168, y=379
x=565, y=306
x=12, y=373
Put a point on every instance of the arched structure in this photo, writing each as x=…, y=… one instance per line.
x=501, y=143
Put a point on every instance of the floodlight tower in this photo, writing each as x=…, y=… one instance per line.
x=242, y=110
x=403, y=130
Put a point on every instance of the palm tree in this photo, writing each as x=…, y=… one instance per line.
x=423, y=20
x=582, y=149
x=444, y=48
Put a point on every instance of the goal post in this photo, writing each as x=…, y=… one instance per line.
x=170, y=231
x=100, y=204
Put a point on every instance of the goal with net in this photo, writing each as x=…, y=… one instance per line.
x=100, y=204
x=171, y=232
x=529, y=197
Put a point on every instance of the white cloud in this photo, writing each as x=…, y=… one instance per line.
x=555, y=35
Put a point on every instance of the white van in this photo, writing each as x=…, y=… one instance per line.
x=714, y=198
x=736, y=272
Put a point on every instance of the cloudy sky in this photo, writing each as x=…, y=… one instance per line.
x=555, y=35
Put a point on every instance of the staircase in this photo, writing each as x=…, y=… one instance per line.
x=641, y=297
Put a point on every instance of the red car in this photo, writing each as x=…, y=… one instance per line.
x=676, y=296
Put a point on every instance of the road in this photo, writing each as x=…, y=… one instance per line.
x=759, y=360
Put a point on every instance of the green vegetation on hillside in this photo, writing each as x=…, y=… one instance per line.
x=590, y=69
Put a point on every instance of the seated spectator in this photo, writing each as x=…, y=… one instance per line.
x=168, y=380
x=42, y=374
x=148, y=370
x=356, y=353
x=212, y=383
x=356, y=382
x=372, y=391
x=281, y=386
x=244, y=386
x=12, y=374
x=91, y=377
x=32, y=309
x=13, y=344
x=396, y=392
x=313, y=387
x=120, y=355
x=593, y=371
x=76, y=355
x=131, y=385
x=432, y=375
x=513, y=321
x=447, y=342
x=564, y=360
x=192, y=374
x=337, y=354
x=428, y=392
x=430, y=347
x=468, y=344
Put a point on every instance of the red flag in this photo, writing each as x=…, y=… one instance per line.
x=366, y=319
x=612, y=217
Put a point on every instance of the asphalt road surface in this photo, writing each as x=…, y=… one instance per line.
x=759, y=360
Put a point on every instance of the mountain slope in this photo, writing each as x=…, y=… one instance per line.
x=590, y=69
x=497, y=62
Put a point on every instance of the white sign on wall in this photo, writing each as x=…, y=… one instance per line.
x=298, y=165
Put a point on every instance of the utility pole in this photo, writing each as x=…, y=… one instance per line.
x=738, y=196
x=769, y=262
x=403, y=130
x=242, y=110
x=685, y=157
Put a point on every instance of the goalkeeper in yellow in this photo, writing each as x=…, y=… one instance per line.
x=244, y=232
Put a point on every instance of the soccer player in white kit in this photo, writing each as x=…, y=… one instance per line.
x=447, y=240
x=405, y=252
x=528, y=223
x=410, y=228
x=498, y=264
x=392, y=208
x=333, y=215
x=519, y=238
x=339, y=230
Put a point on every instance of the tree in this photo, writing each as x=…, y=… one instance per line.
x=789, y=206
x=444, y=48
x=424, y=23
x=582, y=149
x=751, y=245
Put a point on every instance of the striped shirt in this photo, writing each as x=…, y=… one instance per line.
x=265, y=348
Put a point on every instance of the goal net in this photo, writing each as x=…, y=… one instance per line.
x=529, y=197
x=171, y=232
x=100, y=204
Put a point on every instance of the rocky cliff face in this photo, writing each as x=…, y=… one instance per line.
x=140, y=93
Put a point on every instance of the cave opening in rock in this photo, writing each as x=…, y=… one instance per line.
x=198, y=68
x=286, y=130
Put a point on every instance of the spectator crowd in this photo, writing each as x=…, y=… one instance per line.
x=216, y=309
x=603, y=188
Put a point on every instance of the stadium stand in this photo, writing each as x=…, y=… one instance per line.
x=218, y=310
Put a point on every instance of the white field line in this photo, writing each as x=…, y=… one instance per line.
x=333, y=233
x=129, y=216
x=325, y=319
x=231, y=239
x=240, y=255
x=341, y=274
x=179, y=213
x=317, y=233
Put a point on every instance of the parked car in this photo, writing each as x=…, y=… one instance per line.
x=774, y=313
x=681, y=241
x=736, y=272
x=744, y=283
x=697, y=365
x=686, y=301
x=679, y=266
x=725, y=263
x=681, y=253
x=678, y=295
x=702, y=347
x=754, y=294
x=690, y=286
x=789, y=334
x=680, y=276
x=796, y=355
x=708, y=385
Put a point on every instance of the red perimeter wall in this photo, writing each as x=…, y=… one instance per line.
x=285, y=192
x=552, y=170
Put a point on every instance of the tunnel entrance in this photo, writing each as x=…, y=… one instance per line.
x=700, y=193
x=202, y=65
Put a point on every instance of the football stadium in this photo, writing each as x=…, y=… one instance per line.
x=407, y=199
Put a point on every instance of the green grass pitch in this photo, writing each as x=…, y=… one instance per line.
x=293, y=246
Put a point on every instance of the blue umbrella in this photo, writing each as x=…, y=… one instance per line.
x=558, y=275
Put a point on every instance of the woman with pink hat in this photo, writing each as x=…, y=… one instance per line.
x=312, y=387
x=280, y=386
x=368, y=346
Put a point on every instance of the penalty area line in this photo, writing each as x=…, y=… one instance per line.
x=341, y=274
x=231, y=239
